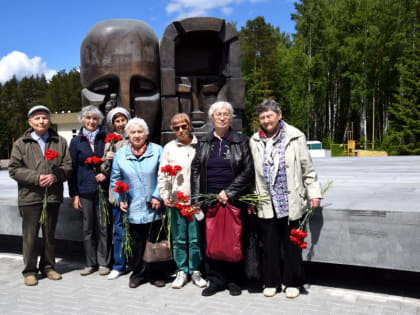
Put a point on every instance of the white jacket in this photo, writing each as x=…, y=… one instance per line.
x=302, y=180
x=176, y=153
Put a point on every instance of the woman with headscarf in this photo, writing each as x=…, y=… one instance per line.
x=116, y=119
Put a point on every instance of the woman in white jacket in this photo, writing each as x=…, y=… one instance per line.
x=283, y=170
x=185, y=234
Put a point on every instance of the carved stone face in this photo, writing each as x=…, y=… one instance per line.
x=200, y=64
x=121, y=56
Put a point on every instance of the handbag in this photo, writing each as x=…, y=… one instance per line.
x=158, y=250
x=252, y=263
x=223, y=233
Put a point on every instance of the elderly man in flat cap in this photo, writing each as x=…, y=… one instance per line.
x=34, y=174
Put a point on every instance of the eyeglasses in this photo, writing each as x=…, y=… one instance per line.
x=182, y=127
x=219, y=115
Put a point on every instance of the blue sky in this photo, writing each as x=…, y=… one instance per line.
x=44, y=36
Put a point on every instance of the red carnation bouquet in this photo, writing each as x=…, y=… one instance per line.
x=121, y=188
x=112, y=138
x=50, y=155
x=186, y=210
x=170, y=173
x=297, y=236
x=95, y=163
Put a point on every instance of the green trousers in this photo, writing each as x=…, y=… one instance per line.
x=186, y=242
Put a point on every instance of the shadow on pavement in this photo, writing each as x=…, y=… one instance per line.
x=386, y=281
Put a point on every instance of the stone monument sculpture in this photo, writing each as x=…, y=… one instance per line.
x=199, y=64
x=121, y=57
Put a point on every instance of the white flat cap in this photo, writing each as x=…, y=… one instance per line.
x=38, y=108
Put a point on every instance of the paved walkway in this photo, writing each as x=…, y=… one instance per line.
x=97, y=295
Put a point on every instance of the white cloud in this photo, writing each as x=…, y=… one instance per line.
x=226, y=10
x=190, y=8
x=19, y=64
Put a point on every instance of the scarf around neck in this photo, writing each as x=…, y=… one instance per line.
x=140, y=152
x=90, y=135
x=274, y=169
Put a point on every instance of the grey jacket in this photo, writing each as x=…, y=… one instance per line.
x=27, y=162
x=302, y=180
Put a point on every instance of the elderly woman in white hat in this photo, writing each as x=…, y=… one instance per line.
x=116, y=119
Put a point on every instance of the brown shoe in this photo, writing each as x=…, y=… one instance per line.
x=53, y=275
x=159, y=283
x=31, y=280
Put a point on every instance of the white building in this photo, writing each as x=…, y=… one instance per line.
x=316, y=150
x=67, y=125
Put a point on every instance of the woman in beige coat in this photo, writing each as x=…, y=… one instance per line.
x=283, y=170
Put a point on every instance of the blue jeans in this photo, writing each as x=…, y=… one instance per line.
x=119, y=257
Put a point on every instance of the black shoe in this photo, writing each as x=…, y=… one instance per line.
x=158, y=283
x=211, y=290
x=234, y=289
x=134, y=283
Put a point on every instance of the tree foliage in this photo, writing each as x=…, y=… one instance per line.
x=350, y=63
x=17, y=97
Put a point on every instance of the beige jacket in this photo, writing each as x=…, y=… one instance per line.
x=106, y=165
x=176, y=153
x=302, y=180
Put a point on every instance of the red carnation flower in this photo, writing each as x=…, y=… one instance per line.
x=302, y=234
x=177, y=168
x=96, y=160
x=112, y=136
x=181, y=197
x=50, y=154
x=121, y=187
x=303, y=245
x=295, y=240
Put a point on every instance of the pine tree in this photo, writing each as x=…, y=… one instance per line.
x=404, y=134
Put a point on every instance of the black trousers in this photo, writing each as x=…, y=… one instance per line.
x=140, y=234
x=282, y=260
x=220, y=273
x=31, y=244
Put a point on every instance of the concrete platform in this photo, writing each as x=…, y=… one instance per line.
x=371, y=213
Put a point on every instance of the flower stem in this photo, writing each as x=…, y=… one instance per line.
x=43, y=219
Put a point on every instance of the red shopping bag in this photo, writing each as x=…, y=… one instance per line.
x=223, y=233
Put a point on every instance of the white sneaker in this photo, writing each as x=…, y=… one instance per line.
x=292, y=292
x=114, y=274
x=269, y=292
x=180, y=280
x=198, y=280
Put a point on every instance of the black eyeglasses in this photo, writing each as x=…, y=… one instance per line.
x=182, y=127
